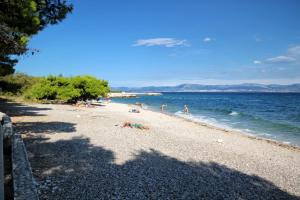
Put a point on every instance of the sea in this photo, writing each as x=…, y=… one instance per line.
x=274, y=116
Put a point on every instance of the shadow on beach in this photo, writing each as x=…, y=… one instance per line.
x=44, y=127
x=14, y=109
x=82, y=171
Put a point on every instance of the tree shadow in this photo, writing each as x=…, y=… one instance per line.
x=76, y=169
x=14, y=109
x=7, y=86
x=44, y=127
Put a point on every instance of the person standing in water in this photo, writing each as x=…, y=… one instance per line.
x=185, y=109
x=162, y=107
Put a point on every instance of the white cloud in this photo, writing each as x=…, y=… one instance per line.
x=167, y=42
x=207, y=39
x=280, y=59
x=294, y=51
x=292, y=56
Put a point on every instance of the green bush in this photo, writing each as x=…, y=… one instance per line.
x=68, y=89
x=16, y=84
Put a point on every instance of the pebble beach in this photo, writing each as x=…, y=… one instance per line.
x=85, y=153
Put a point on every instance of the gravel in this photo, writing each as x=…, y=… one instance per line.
x=93, y=157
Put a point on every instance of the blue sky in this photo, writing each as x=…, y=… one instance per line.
x=167, y=42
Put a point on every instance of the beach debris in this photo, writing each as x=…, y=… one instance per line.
x=135, y=125
x=139, y=104
x=78, y=116
x=220, y=140
x=134, y=110
x=101, y=101
x=87, y=104
x=79, y=104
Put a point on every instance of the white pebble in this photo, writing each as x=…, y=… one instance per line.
x=219, y=140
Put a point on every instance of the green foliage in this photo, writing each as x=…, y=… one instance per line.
x=6, y=65
x=21, y=19
x=16, y=84
x=68, y=89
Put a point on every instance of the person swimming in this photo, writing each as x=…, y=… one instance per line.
x=185, y=109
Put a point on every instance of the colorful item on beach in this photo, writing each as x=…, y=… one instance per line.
x=135, y=125
x=139, y=104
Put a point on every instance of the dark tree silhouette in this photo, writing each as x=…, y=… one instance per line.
x=21, y=19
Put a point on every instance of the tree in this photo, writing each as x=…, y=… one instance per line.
x=21, y=19
x=89, y=87
x=68, y=89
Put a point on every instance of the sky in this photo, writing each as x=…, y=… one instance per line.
x=167, y=42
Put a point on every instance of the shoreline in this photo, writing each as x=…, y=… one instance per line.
x=232, y=131
x=203, y=124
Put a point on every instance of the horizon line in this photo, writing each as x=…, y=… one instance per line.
x=296, y=83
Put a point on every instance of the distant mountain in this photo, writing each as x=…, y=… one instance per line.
x=246, y=87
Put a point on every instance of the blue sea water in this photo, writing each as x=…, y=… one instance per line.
x=274, y=116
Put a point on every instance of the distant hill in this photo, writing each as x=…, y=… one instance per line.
x=246, y=87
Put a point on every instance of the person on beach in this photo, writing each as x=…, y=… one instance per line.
x=87, y=103
x=162, y=107
x=185, y=109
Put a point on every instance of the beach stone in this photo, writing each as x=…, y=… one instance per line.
x=220, y=141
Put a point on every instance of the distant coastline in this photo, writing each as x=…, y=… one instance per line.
x=132, y=94
x=247, y=87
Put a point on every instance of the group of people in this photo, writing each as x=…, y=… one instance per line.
x=185, y=108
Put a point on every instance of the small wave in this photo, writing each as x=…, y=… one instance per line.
x=233, y=113
x=217, y=123
x=178, y=113
x=145, y=107
x=202, y=119
x=226, y=111
x=224, y=120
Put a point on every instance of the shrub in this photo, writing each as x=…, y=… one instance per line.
x=68, y=89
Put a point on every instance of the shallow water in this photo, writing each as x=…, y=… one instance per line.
x=270, y=115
